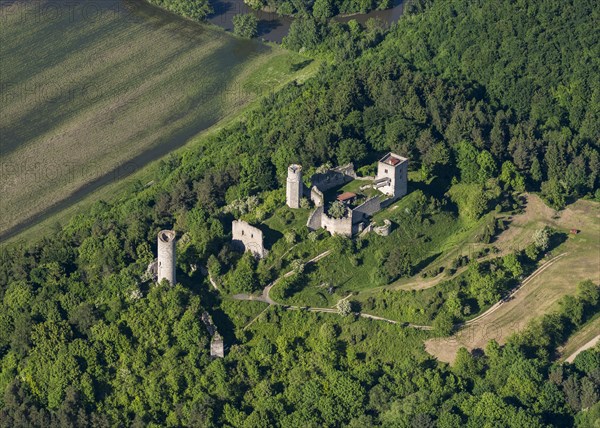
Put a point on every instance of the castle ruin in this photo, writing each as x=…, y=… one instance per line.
x=166, y=256
x=248, y=238
x=294, y=186
x=390, y=184
x=392, y=176
x=217, y=345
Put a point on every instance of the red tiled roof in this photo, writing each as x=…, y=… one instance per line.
x=345, y=196
x=393, y=161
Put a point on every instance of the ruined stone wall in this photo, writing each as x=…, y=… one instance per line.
x=367, y=209
x=337, y=226
x=384, y=230
x=317, y=196
x=248, y=238
x=217, y=345
x=347, y=170
x=314, y=220
x=333, y=177
x=166, y=256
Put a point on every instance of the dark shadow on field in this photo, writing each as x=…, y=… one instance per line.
x=426, y=262
x=505, y=224
x=556, y=239
x=220, y=8
x=437, y=188
x=300, y=65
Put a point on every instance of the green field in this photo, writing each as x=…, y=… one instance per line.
x=91, y=95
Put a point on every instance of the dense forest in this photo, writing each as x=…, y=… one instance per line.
x=197, y=10
x=487, y=98
x=507, y=77
x=319, y=9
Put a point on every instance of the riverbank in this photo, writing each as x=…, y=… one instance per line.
x=273, y=27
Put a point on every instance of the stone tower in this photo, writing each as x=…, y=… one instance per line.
x=392, y=175
x=166, y=256
x=295, y=187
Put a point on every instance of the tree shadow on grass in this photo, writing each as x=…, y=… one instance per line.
x=271, y=236
x=224, y=325
x=199, y=285
x=426, y=262
x=556, y=239
x=210, y=301
x=437, y=188
x=300, y=65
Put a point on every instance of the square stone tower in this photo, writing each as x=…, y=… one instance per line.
x=392, y=175
x=294, y=186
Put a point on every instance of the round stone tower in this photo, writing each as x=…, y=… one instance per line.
x=295, y=187
x=166, y=256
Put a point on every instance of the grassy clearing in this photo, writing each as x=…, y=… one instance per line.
x=357, y=271
x=89, y=99
x=540, y=295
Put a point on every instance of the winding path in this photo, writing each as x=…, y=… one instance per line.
x=585, y=347
x=266, y=298
x=511, y=295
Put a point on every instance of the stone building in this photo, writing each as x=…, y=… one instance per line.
x=392, y=175
x=391, y=181
x=294, y=186
x=217, y=345
x=248, y=238
x=166, y=256
x=333, y=177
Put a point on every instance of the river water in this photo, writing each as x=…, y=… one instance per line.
x=273, y=27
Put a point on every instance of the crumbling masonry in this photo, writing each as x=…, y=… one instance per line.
x=248, y=238
x=391, y=181
x=166, y=256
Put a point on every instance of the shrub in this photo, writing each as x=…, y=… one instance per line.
x=541, y=238
x=337, y=209
x=343, y=307
x=245, y=25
